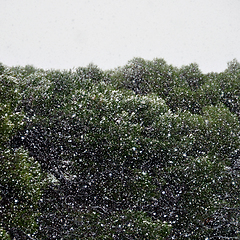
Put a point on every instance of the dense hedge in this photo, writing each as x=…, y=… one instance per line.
x=144, y=151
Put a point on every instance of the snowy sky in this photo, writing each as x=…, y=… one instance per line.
x=63, y=34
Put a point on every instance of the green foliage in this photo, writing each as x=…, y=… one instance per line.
x=144, y=77
x=210, y=92
x=21, y=190
x=1, y=68
x=20, y=176
x=140, y=152
x=192, y=75
x=123, y=225
x=11, y=118
x=233, y=67
x=91, y=72
x=181, y=98
x=22, y=72
x=4, y=235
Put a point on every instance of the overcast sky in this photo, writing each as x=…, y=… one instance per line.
x=64, y=34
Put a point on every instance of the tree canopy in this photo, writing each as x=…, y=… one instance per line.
x=144, y=151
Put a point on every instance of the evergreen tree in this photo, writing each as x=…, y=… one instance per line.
x=20, y=175
x=146, y=151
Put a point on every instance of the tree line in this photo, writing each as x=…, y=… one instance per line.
x=144, y=151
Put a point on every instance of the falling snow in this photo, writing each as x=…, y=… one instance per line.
x=145, y=151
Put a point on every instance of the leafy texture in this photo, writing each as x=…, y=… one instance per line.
x=145, y=151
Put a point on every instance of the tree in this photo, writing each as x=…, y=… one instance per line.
x=122, y=159
x=20, y=176
x=80, y=145
x=192, y=75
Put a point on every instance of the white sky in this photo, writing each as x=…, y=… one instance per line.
x=64, y=34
